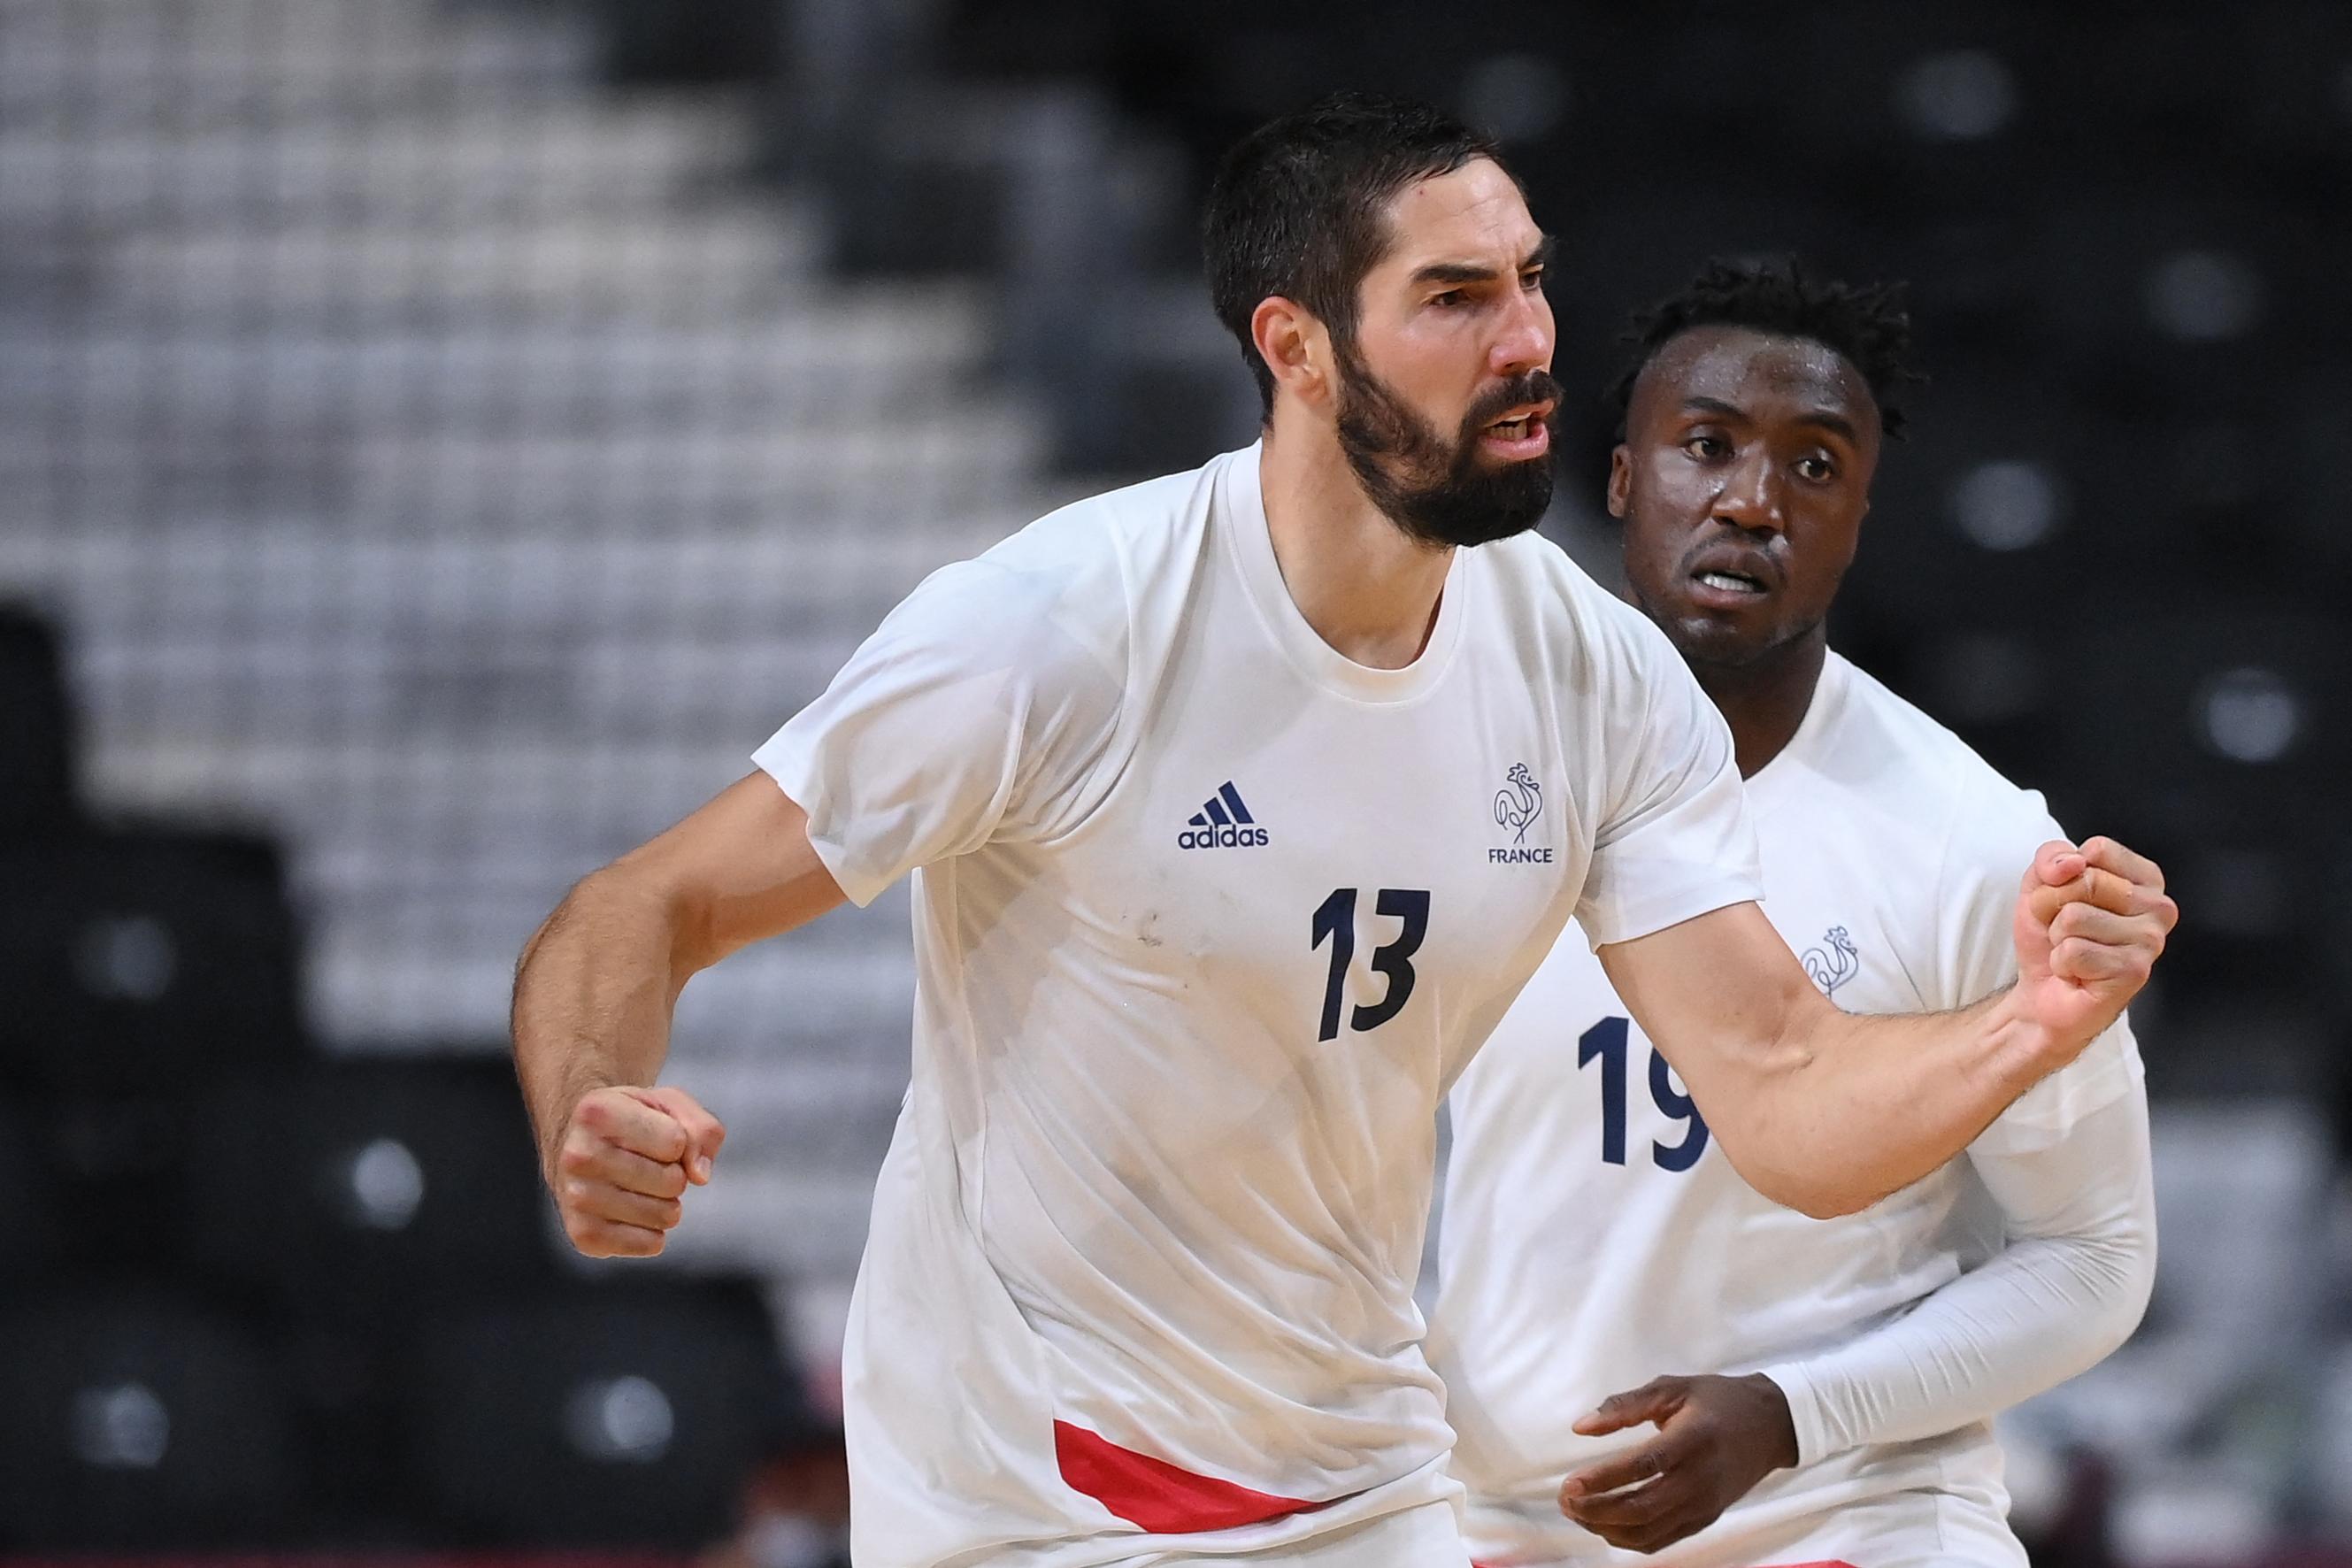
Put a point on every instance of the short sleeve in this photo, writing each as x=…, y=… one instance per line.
x=1990, y=848
x=965, y=718
x=1674, y=840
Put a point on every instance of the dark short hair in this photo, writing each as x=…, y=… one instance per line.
x=1865, y=324
x=1299, y=208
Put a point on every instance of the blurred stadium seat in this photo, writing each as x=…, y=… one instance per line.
x=349, y=1201
x=35, y=727
x=30, y=1218
x=2315, y=430
x=2204, y=735
x=2212, y=716
x=628, y=1414
x=386, y=1187
x=140, y=1420
x=1990, y=510
x=2331, y=1460
x=146, y=962
x=2165, y=294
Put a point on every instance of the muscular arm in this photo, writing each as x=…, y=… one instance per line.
x=1828, y=1111
x=2069, y=1286
x=597, y=982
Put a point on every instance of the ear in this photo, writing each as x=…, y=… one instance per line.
x=1294, y=347
x=1621, y=478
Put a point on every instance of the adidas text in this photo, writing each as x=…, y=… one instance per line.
x=1227, y=837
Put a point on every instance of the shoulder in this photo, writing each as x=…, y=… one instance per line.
x=1069, y=583
x=1988, y=825
x=1071, y=553
x=1119, y=533
x=1552, y=603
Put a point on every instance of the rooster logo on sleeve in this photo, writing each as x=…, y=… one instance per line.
x=1833, y=963
x=1520, y=803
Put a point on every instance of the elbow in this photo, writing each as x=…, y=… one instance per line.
x=2108, y=1278
x=2132, y=1284
x=1816, y=1200
x=629, y=901
x=1788, y=1167
x=672, y=918
x=1816, y=1194
x=2117, y=1261
x=1826, y=1203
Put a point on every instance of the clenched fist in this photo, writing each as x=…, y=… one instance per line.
x=2089, y=926
x=627, y=1155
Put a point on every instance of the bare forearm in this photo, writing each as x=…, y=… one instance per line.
x=1828, y=1112
x=1844, y=1109
x=1823, y=1111
x=593, y=998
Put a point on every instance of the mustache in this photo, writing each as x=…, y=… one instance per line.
x=1534, y=386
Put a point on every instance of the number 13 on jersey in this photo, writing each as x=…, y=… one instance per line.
x=1335, y=923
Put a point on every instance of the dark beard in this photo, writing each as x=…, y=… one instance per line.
x=1439, y=493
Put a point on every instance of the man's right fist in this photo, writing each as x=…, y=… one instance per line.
x=627, y=1157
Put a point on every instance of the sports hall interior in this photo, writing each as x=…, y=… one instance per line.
x=440, y=439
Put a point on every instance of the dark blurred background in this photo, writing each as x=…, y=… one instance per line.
x=438, y=438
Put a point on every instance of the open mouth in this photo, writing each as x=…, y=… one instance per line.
x=1520, y=435
x=1730, y=583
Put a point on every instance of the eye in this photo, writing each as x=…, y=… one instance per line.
x=1531, y=279
x=1453, y=299
x=1816, y=470
x=1707, y=445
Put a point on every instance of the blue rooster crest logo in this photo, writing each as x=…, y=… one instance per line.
x=1520, y=803
x=1833, y=963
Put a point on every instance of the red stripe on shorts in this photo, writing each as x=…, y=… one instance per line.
x=1156, y=1494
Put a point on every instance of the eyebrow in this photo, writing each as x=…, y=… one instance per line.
x=1473, y=272
x=1837, y=424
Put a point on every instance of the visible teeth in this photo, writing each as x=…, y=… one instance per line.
x=1510, y=431
x=1726, y=580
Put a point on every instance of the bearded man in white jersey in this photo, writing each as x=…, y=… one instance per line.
x=1197, y=782
x=1594, y=1236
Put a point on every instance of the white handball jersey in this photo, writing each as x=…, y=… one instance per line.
x=1594, y=1236
x=1207, y=918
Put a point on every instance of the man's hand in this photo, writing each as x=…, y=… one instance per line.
x=1718, y=1437
x=2089, y=925
x=627, y=1157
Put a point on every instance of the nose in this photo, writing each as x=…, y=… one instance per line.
x=1751, y=498
x=1524, y=343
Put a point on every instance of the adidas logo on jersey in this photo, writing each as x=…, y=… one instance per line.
x=1224, y=823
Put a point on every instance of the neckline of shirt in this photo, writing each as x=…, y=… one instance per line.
x=1319, y=662
x=1829, y=697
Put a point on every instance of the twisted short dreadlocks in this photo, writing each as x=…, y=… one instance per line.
x=1865, y=323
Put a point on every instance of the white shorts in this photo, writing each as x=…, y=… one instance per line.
x=1428, y=1535
x=1899, y=1530
x=1919, y=1527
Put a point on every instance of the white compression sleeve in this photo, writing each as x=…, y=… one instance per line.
x=2069, y=1286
